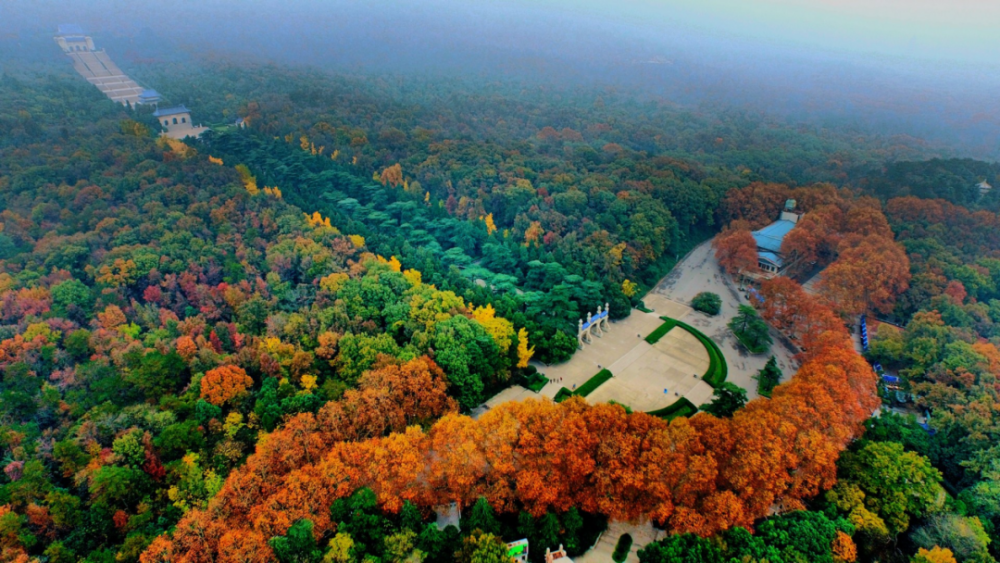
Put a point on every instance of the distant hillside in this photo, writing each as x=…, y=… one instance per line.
x=955, y=180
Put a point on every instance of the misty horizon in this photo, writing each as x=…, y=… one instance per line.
x=816, y=63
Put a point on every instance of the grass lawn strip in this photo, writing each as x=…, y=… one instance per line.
x=587, y=388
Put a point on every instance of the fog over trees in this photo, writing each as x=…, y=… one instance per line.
x=891, y=67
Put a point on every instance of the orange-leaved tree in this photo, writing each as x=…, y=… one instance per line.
x=224, y=383
x=736, y=251
x=701, y=475
x=758, y=203
x=867, y=275
x=392, y=176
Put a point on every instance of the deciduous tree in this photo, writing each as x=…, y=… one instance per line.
x=867, y=276
x=736, y=251
x=223, y=384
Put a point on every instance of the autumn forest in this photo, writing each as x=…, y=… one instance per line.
x=272, y=342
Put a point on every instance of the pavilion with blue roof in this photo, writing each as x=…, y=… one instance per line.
x=770, y=258
x=72, y=39
x=769, y=241
x=149, y=96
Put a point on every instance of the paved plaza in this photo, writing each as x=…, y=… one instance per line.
x=642, y=372
x=699, y=271
x=650, y=377
x=646, y=377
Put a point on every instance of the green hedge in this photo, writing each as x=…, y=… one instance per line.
x=536, y=382
x=642, y=307
x=680, y=407
x=593, y=383
x=664, y=328
x=715, y=375
x=562, y=395
x=587, y=388
x=718, y=370
x=628, y=409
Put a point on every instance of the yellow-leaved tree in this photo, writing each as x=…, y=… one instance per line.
x=491, y=227
x=333, y=282
x=499, y=328
x=524, y=353
x=413, y=276
x=629, y=288
x=249, y=181
x=317, y=220
x=308, y=383
x=392, y=262
x=934, y=555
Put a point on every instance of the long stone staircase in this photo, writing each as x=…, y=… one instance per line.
x=103, y=73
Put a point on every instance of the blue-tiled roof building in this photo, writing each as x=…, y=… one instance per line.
x=72, y=39
x=149, y=96
x=167, y=112
x=176, y=122
x=771, y=236
x=771, y=260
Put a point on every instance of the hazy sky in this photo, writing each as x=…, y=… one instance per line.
x=914, y=66
x=964, y=31
x=957, y=30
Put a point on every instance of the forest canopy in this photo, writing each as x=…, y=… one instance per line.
x=236, y=346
